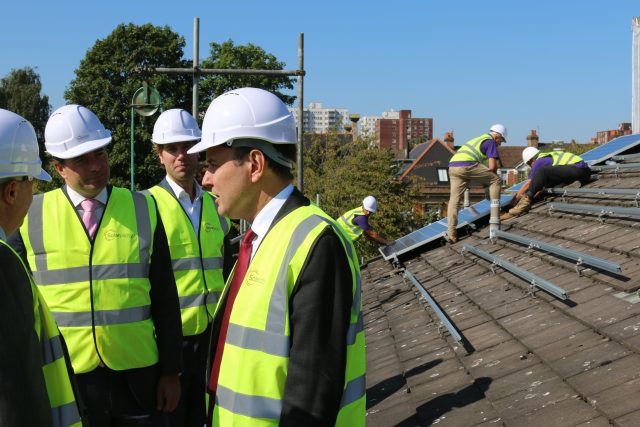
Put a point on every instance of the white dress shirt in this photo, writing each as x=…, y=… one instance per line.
x=192, y=208
x=263, y=220
x=77, y=198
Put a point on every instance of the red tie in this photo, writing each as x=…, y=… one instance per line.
x=244, y=256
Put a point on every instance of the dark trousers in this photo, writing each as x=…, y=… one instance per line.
x=191, y=411
x=552, y=176
x=120, y=398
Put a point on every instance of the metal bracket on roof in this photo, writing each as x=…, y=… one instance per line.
x=578, y=264
x=444, y=319
x=532, y=288
x=579, y=257
x=520, y=272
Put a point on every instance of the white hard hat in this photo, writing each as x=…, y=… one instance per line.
x=501, y=129
x=370, y=203
x=246, y=114
x=73, y=130
x=19, y=154
x=529, y=153
x=175, y=125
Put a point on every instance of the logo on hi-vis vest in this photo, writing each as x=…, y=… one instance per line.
x=253, y=278
x=208, y=227
x=112, y=235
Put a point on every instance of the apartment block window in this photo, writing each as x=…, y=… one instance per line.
x=443, y=175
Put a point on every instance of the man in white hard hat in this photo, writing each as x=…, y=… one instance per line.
x=287, y=334
x=197, y=240
x=466, y=166
x=100, y=258
x=35, y=388
x=547, y=170
x=356, y=221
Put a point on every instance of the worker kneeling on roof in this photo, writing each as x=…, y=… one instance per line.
x=547, y=170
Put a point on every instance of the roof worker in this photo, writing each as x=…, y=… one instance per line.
x=35, y=389
x=197, y=239
x=466, y=165
x=355, y=222
x=100, y=258
x=547, y=171
x=287, y=333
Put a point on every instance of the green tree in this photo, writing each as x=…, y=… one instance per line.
x=343, y=172
x=226, y=55
x=20, y=92
x=108, y=76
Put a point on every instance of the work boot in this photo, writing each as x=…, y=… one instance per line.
x=521, y=208
x=452, y=238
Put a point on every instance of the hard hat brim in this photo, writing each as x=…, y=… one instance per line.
x=82, y=149
x=43, y=176
x=174, y=139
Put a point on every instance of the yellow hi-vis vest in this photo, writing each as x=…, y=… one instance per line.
x=346, y=222
x=255, y=358
x=64, y=410
x=470, y=151
x=98, y=292
x=562, y=158
x=197, y=260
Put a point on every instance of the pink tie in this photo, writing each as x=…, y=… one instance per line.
x=89, y=217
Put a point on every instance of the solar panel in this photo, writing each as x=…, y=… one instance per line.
x=438, y=229
x=611, y=148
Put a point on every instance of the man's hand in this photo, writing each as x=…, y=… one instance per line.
x=168, y=393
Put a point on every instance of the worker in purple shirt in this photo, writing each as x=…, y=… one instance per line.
x=547, y=170
x=467, y=165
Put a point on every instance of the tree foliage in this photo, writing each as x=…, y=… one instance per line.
x=343, y=172
x=20, y=92
x=226, y=55
x=116, y=66
x=106, y=80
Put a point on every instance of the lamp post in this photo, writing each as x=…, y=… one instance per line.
x=146, y=101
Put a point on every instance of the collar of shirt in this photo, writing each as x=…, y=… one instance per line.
x=263, y=220
x=77, y=198
x=181, y=194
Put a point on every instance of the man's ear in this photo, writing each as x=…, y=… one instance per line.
x=59, y=168
x=10, y=192
x=258, y=164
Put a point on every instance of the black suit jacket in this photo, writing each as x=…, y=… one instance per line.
x=319, y=310
x=23, y=395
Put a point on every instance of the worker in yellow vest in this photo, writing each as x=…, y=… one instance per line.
x=197, y=240
x=466, y=166
x=547, y=170
x=287, y=334
x=35, y=388
x=355, y=222
x=100, y=258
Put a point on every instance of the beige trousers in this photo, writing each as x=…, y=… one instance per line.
x=459, y=178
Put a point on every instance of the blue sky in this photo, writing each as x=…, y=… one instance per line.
x=561, y=67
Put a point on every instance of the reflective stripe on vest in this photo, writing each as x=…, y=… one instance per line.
x=561, y=158
x=269, y=345
x=64, y=410
x=98, y=291
x=197, y=260
x=470, y=151
x=346, y=222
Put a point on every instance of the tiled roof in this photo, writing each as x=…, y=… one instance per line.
x=510, y=156
x=530, y=358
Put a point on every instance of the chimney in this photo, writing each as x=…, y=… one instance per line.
x=448, y=139
x=635, y=75
x=532, y=139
